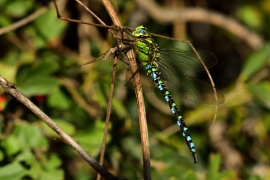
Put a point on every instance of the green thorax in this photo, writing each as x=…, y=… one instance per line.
x=146, y=48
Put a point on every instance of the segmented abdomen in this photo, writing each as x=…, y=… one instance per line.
x=152, y=71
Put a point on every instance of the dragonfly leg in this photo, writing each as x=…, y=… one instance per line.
x=110, y=51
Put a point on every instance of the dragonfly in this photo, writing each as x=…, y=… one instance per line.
x=164, y=68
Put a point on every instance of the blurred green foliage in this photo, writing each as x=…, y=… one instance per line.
x=42, y=58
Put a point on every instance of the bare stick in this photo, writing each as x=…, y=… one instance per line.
x=201, y=15
x=138, y=89
x=139, y=98
x=112, y=50
x=11, y=89
x=109, y=106
x=103, y=25
x=108, y=114
x=24, y=21
x=91, y=12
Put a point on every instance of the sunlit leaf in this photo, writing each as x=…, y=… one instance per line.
x=58, y=100
x=251, y=16
x=45, y=67
x=12, y=171
x=261, y=91
x=48, y=26
x=18, y=8
x=30, y=136
x=2, y=155
x=119, y=108
x=50, y=169
x=212, y=173
x=35, y=79
x=64, y=125
x=255, y=62
x=38, y=86
x=92, y=139
x=214, y=170
x=11, y=145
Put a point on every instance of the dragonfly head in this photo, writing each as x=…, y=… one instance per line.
x=141, y=31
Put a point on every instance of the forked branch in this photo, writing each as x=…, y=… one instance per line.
x=133, y=67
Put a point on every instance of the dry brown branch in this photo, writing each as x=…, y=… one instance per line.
x=89, y=62
x=139, y=98
x=138, y=89
x=108, y=114
x=11, y=89
x=169, y=15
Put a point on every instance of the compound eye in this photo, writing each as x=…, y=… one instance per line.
x=142, y=31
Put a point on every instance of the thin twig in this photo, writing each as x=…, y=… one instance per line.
x=25, y=20
x=108, y=114
x=138, y=89
x=91, y=12
x=103, y=25
x=11, y=89
x=91, y=61
x=139, y=98
x=201, y=15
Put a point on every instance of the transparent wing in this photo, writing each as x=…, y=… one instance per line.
x=172, y=62
x=187, y=60
x=190, y=88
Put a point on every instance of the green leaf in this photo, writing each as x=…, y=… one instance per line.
x=27, y=156
x=191, y=176
x=227, y=175
x=38, y=85
x=55, y=174
x=8, y=71
x=2, y=155
x=35, y=79
x=251, y=16
x=30, y=136
x=52, y=162
x=45, y=67
x=254, y=177
x=22, y=74
x=91, y=140
x=59, y=100
x=12, y=171
x=48, y=26
x=18, y=8
x=5, y=21
x=48, y=169
x=11, y=145
x=255, y=62
x=212, y=173
x=44, y=29
x=213, y=170
x=64, y=125
x=261, y=92
x=119, y=108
